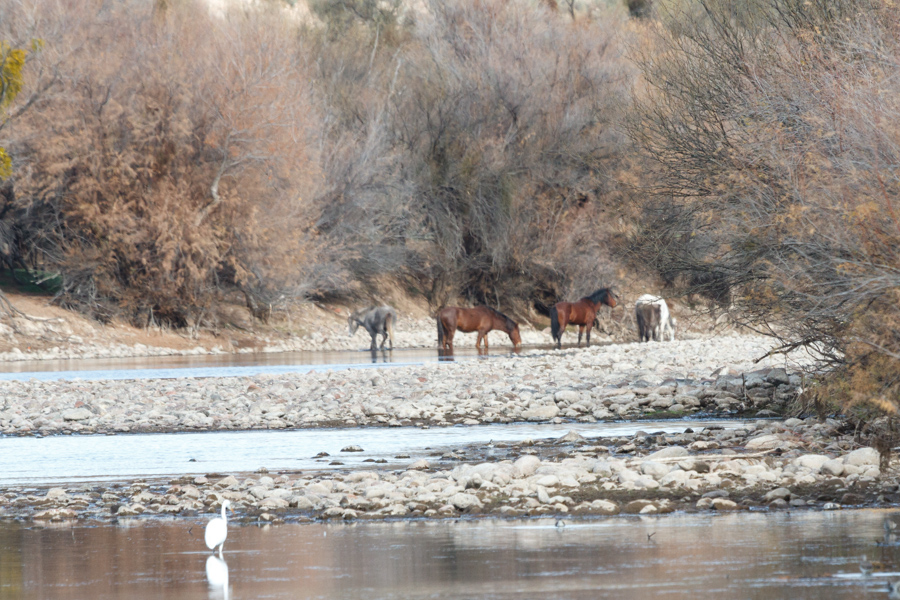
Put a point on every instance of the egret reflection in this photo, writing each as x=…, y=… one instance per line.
x=217, y=576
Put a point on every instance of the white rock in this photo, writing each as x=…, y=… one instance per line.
x=813, y=462
x=526, y=465
x=668, y=452
x=655, y=469
x=464, y=501
x=862, y=457
x=834, y=467
x=541, y=413
x=763, y=442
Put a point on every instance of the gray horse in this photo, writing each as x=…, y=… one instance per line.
x=376, y=319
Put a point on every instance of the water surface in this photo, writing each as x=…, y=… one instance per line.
x=739, y=556
x=235, y=365
x=81, y=458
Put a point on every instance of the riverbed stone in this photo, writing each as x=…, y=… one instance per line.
x=541, y=413
x=464, y=502
x=862, y=457
x=526, y=465
x=668, y=452
x=77, y=414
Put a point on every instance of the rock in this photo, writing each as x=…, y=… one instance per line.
x=862, y=457
x=781, y=493
x=419, y=465
x=128, y=511
x=541, y=413
x=813, y=462
x=763, y=442
x=605, y=507
x=833, y=467
x=724, y=504
x=636, y=506
x=655, y=469
x=567, y=396
x=464, y=501
x=77, y=414
x=668, y=452
x=778, y=503
x=548, y=481
x=273, y=502
x=57, y=495
x=778, y=376
x=792, y=422
x=351, y=449
x=716, y=494
x=527, y=465
x=852, y=499
x=571, y=437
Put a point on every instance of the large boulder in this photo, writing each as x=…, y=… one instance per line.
x=862, y=457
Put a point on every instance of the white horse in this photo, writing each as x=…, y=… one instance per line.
x=653, y=319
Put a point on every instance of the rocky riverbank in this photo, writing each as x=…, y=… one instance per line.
x=657, y=380
x=763, y=464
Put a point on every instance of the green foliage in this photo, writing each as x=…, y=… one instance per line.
x=12, y=65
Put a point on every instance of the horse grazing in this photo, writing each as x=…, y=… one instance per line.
x=376, y=320
x=581, y=313
x=653, y=319
x=481, y=319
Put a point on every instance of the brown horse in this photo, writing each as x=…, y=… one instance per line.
x=481, y=319
x=581, y=313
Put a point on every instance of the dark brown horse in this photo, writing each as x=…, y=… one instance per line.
x=581, y=313
x=481, y=319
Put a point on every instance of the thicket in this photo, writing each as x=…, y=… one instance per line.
x=773, y=132
x=177, y=156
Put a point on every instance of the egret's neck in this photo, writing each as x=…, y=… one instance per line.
x=224, y=516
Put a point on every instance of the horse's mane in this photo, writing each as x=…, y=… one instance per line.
x=599, y=295
x=510, y=324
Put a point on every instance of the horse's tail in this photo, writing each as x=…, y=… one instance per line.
x=554, y=323
x=440, y=327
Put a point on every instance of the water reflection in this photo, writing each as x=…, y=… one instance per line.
x=764, y=556
x=384, y=355
x=217, y=576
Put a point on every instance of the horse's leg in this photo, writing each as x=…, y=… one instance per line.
x=580, y=333
x=590, y=325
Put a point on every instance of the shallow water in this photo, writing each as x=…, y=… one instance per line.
x=236, y=365
x=79, y=458
x=762, y=556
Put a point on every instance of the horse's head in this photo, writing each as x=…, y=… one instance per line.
x=354, y=324
x=611, y=298
x=515, y=336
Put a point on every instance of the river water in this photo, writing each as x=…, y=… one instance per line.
x=739, y=556
x=87, y=458
x=236, y=365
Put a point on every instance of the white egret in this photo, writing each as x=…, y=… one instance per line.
x=217, y=530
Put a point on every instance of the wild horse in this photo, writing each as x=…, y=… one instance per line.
x=581, y=313
x=481, y=319
x=653, y=319
x=376, y=320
